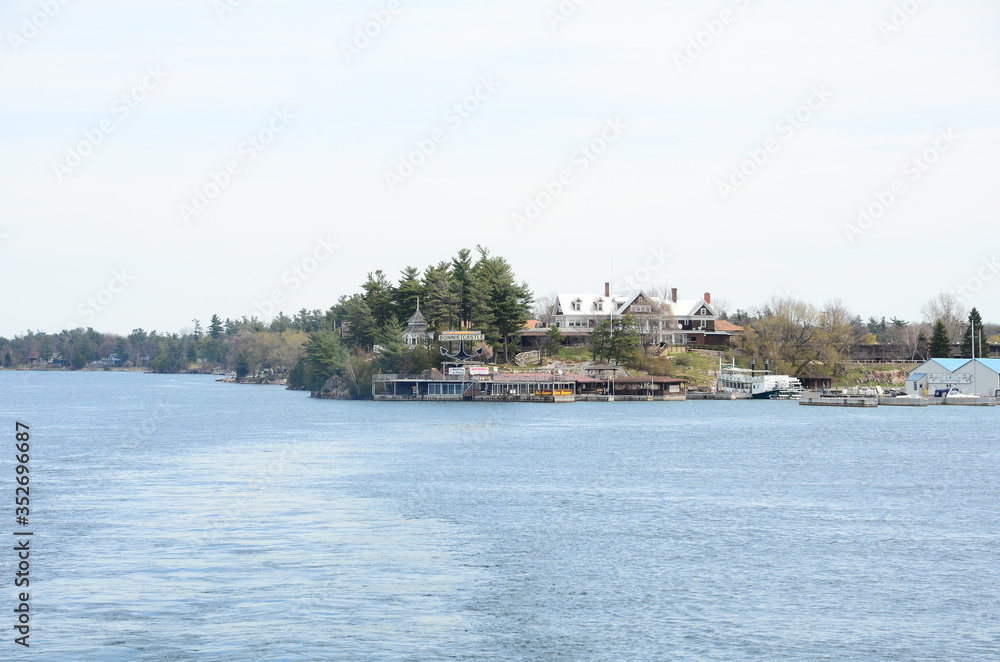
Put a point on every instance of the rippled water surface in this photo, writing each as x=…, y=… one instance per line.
x=177, y=518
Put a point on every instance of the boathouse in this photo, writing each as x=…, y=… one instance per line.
x=970, y=376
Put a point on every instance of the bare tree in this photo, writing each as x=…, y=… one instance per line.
x=544, y=309
x=947, y=308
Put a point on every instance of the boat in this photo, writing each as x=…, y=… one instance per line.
x=952, y=392
x=760, y=384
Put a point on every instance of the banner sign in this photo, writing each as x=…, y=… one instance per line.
x=479, y=370
x=949, y=379
x=449, y=336
x=456, y=371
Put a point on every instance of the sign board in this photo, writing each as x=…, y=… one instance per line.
x=449, y=336
x=478, y=370
x=456, y=371
x=949, y=379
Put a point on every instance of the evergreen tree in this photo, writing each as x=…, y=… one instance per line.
x=468, y=290
x=392, y=348
x=940, y=346
x=323, y=358
x=360, y=328
x=507, y=303
x=242, y=367
x=280, y=323
x=552, y=342
x=975, y=321
x=410, y=289
x=379, y=297
x=215, y=327
x=440, y=307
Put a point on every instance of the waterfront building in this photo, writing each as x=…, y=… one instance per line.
x=670, y=321
x=969, y=376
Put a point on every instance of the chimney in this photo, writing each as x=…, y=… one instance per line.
x=708, y=297
x=607, y=289
x=673, y=294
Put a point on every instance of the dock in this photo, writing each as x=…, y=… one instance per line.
x=839, y=401
x=855, y=401
x=719, y=396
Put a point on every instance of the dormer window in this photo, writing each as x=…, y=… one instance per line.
x=577, y=304
x=598, y=305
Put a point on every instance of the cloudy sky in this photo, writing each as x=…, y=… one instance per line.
x=192, y=157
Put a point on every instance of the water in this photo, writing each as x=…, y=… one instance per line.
x=176, y=518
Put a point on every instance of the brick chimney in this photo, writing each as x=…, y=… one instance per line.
x=708, y=297
x=673, y=294
x=607, y=289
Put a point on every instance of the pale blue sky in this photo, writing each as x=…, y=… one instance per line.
x=655, y=187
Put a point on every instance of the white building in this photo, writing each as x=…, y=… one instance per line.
x=971, y=376
x=672, y=321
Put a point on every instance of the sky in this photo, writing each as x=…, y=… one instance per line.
x=241, y=157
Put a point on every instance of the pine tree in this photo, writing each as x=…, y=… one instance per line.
x=360, y=326
x=440, y=307
x=215, y=327
x=975, y=321
x=507, y=302
x=392, y=348
x=940, y=347
x=410, y=289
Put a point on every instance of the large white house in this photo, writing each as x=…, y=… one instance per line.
x=971, y=376
x=672, y=321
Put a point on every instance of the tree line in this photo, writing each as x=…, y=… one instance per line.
x=358, y=335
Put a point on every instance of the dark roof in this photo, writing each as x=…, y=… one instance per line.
x=417, y=317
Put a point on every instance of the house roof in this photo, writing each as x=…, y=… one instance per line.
x=723, y=325
x=916, y=377
x=992, y=364
x=681, y=307
x=587, y=303
x=531, y=324
x=951, y=365
x=417, y=317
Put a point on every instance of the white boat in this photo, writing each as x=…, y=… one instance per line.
x=760, y=384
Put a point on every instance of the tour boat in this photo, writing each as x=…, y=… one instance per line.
x=760, y=384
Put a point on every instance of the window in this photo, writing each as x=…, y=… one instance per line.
x=576, y=304
x=445, y=389
x=598, y=305
x=641, y=309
